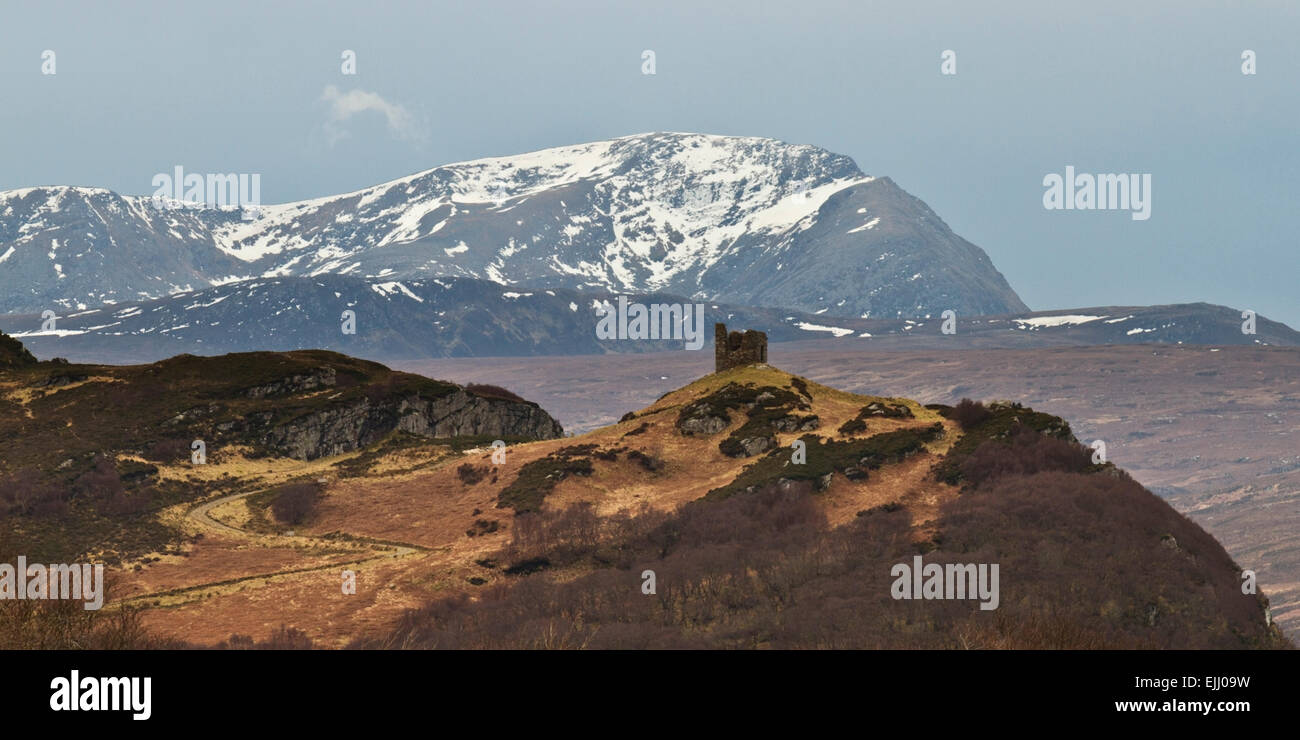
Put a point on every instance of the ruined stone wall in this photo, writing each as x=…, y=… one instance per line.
x=737, y=349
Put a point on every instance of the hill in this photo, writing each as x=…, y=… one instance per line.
x=750, y=508
x=453, y=543
x=89, y=454
x=752, y=550
x=1211, y=430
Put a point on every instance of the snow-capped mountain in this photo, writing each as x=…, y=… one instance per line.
x=736, y=220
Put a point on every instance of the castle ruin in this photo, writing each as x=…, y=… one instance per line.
x=737, y=349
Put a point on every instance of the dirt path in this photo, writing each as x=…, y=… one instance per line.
x=201, y=515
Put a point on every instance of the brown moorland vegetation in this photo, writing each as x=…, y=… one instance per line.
x=547, y=549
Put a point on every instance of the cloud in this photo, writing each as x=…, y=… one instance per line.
x=344, y=105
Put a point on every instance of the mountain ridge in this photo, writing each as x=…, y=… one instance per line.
x=464, y=317
x=740, y=220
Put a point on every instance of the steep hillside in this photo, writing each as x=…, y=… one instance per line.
x=740, y=220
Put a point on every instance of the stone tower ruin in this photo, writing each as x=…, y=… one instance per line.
x=737, y=349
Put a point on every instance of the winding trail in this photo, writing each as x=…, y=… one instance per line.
x=201, y=515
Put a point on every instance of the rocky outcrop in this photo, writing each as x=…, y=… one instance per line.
x=461, y=413
x=750, y=446
x=325, y=377
x=351, y=426
x=705, y=423
x=793, y=423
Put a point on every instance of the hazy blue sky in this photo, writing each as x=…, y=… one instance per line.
x=1142, y=87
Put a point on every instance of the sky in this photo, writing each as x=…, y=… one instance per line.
x=1154, y=88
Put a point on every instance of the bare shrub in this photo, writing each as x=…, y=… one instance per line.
x=1025, y=452
x=65, y=624
x=281, y=638
x=969, y=414
x=167, y=451
x=101, y=481
x=295, y=502
x=469, y=473
x=27, y=492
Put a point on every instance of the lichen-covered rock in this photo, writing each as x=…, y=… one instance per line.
x=754, y=445
x=704, y=424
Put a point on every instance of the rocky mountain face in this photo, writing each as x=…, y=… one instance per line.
x=737, y=220
x=352, y=426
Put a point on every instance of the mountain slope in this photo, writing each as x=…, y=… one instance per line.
x=738, y=220
x=439, y=317
x=463, y=317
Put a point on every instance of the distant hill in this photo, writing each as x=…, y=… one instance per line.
x=461, y=317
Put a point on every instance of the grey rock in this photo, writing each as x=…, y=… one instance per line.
x=340, y=429
x=756, y=445
x=703, y=425
x=793, y=423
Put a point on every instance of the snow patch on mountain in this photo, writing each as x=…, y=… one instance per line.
x=1067, y=320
